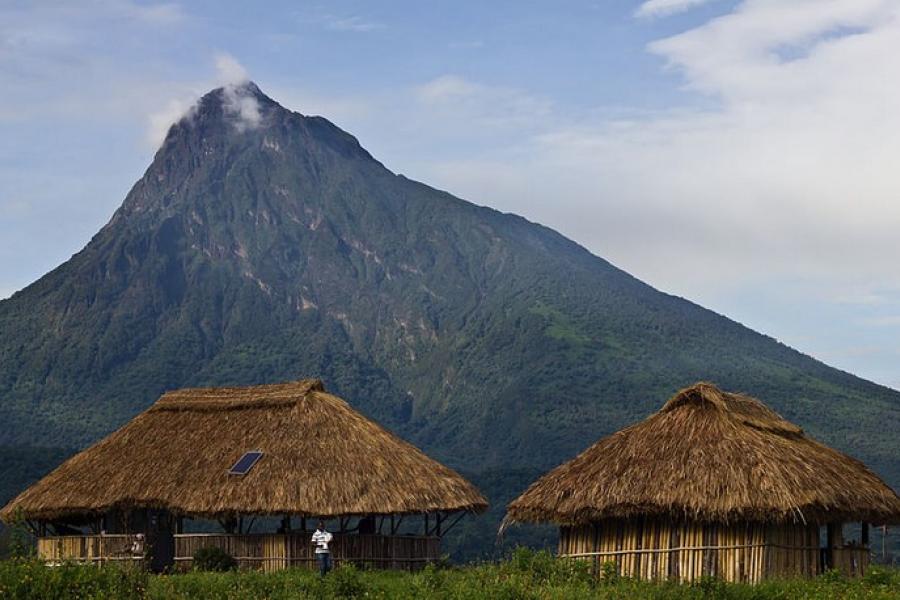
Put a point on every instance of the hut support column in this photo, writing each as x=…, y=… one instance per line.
x=835, y=539
x=438, y=521
x=865, y=535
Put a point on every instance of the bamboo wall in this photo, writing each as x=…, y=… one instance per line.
x=87, y=548
x=658, y=549
x=271, y=552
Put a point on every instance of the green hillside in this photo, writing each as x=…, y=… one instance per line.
x=261, y=254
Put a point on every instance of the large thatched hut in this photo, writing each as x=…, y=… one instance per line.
x=244, y=457
x=713, y=484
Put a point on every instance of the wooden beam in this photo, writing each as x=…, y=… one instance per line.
x=865, y=535
x=454, y=522
x=394, y=527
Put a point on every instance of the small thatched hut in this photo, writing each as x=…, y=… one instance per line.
x=712, y=484
x=235, y=454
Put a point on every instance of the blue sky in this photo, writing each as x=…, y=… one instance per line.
x=741, y=154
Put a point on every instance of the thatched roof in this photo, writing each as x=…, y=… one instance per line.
x=321, y=458
x=712, y=456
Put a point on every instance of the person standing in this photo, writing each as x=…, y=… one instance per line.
x=321, y=538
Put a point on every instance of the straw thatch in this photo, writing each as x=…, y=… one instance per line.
x=321, y=458
x=712, y=456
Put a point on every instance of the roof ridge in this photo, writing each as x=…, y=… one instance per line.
x=741, y=408
x=270, y=395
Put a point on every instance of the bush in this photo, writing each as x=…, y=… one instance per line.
x=346, y=582
x=609, y=572
x=33, y=580
x=427, y=582
x=526, y=576
x=877, y=575
x=213, y=559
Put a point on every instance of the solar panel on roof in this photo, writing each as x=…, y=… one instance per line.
x=245, y=463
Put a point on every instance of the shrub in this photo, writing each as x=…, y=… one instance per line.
x=427, y=582
x=609, y=572
x=33, y=580
x=832, y=576
x=346, y=582
x=879, y=576
x=213, y=559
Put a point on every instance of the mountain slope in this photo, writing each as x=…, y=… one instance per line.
x=262, y=245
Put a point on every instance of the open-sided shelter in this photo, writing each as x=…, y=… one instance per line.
x=713, y=484
x=290, y=451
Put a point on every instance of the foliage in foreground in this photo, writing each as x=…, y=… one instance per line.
x=527, y=575
x=213, y=559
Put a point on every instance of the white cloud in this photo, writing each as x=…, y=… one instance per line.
x=448, y=88
x=53, y=66
x=161, y=121
x=787, y=172
x=337, y=22
x=883, y=321
x=243, y=105
x=454, y=101
x=158, y=14
x=355, y=24
x=229, y=71
x=661, y=8
x=239, y=100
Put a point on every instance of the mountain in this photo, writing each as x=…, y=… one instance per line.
x=263, y=245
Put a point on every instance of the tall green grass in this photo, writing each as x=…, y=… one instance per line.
x=526, y=575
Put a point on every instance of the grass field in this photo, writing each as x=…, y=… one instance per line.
x=526, y=575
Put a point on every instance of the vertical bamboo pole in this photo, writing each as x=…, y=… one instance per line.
x=627, y=539
x=691, y=554
x=675, y=555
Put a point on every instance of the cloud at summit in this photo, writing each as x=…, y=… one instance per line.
x=737, y=152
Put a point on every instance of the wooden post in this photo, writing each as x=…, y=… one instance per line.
x=426, y=524
x=829, y=545
x=864, y=539
x=638, y=545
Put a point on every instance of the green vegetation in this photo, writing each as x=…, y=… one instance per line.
x=526, y=575
x=213, y=559
x=496, y=345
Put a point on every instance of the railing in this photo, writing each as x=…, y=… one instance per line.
x=271, y=552
x=98, y=549
x=745, y=562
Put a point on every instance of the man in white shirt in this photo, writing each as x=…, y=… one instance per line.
x=321, y=538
